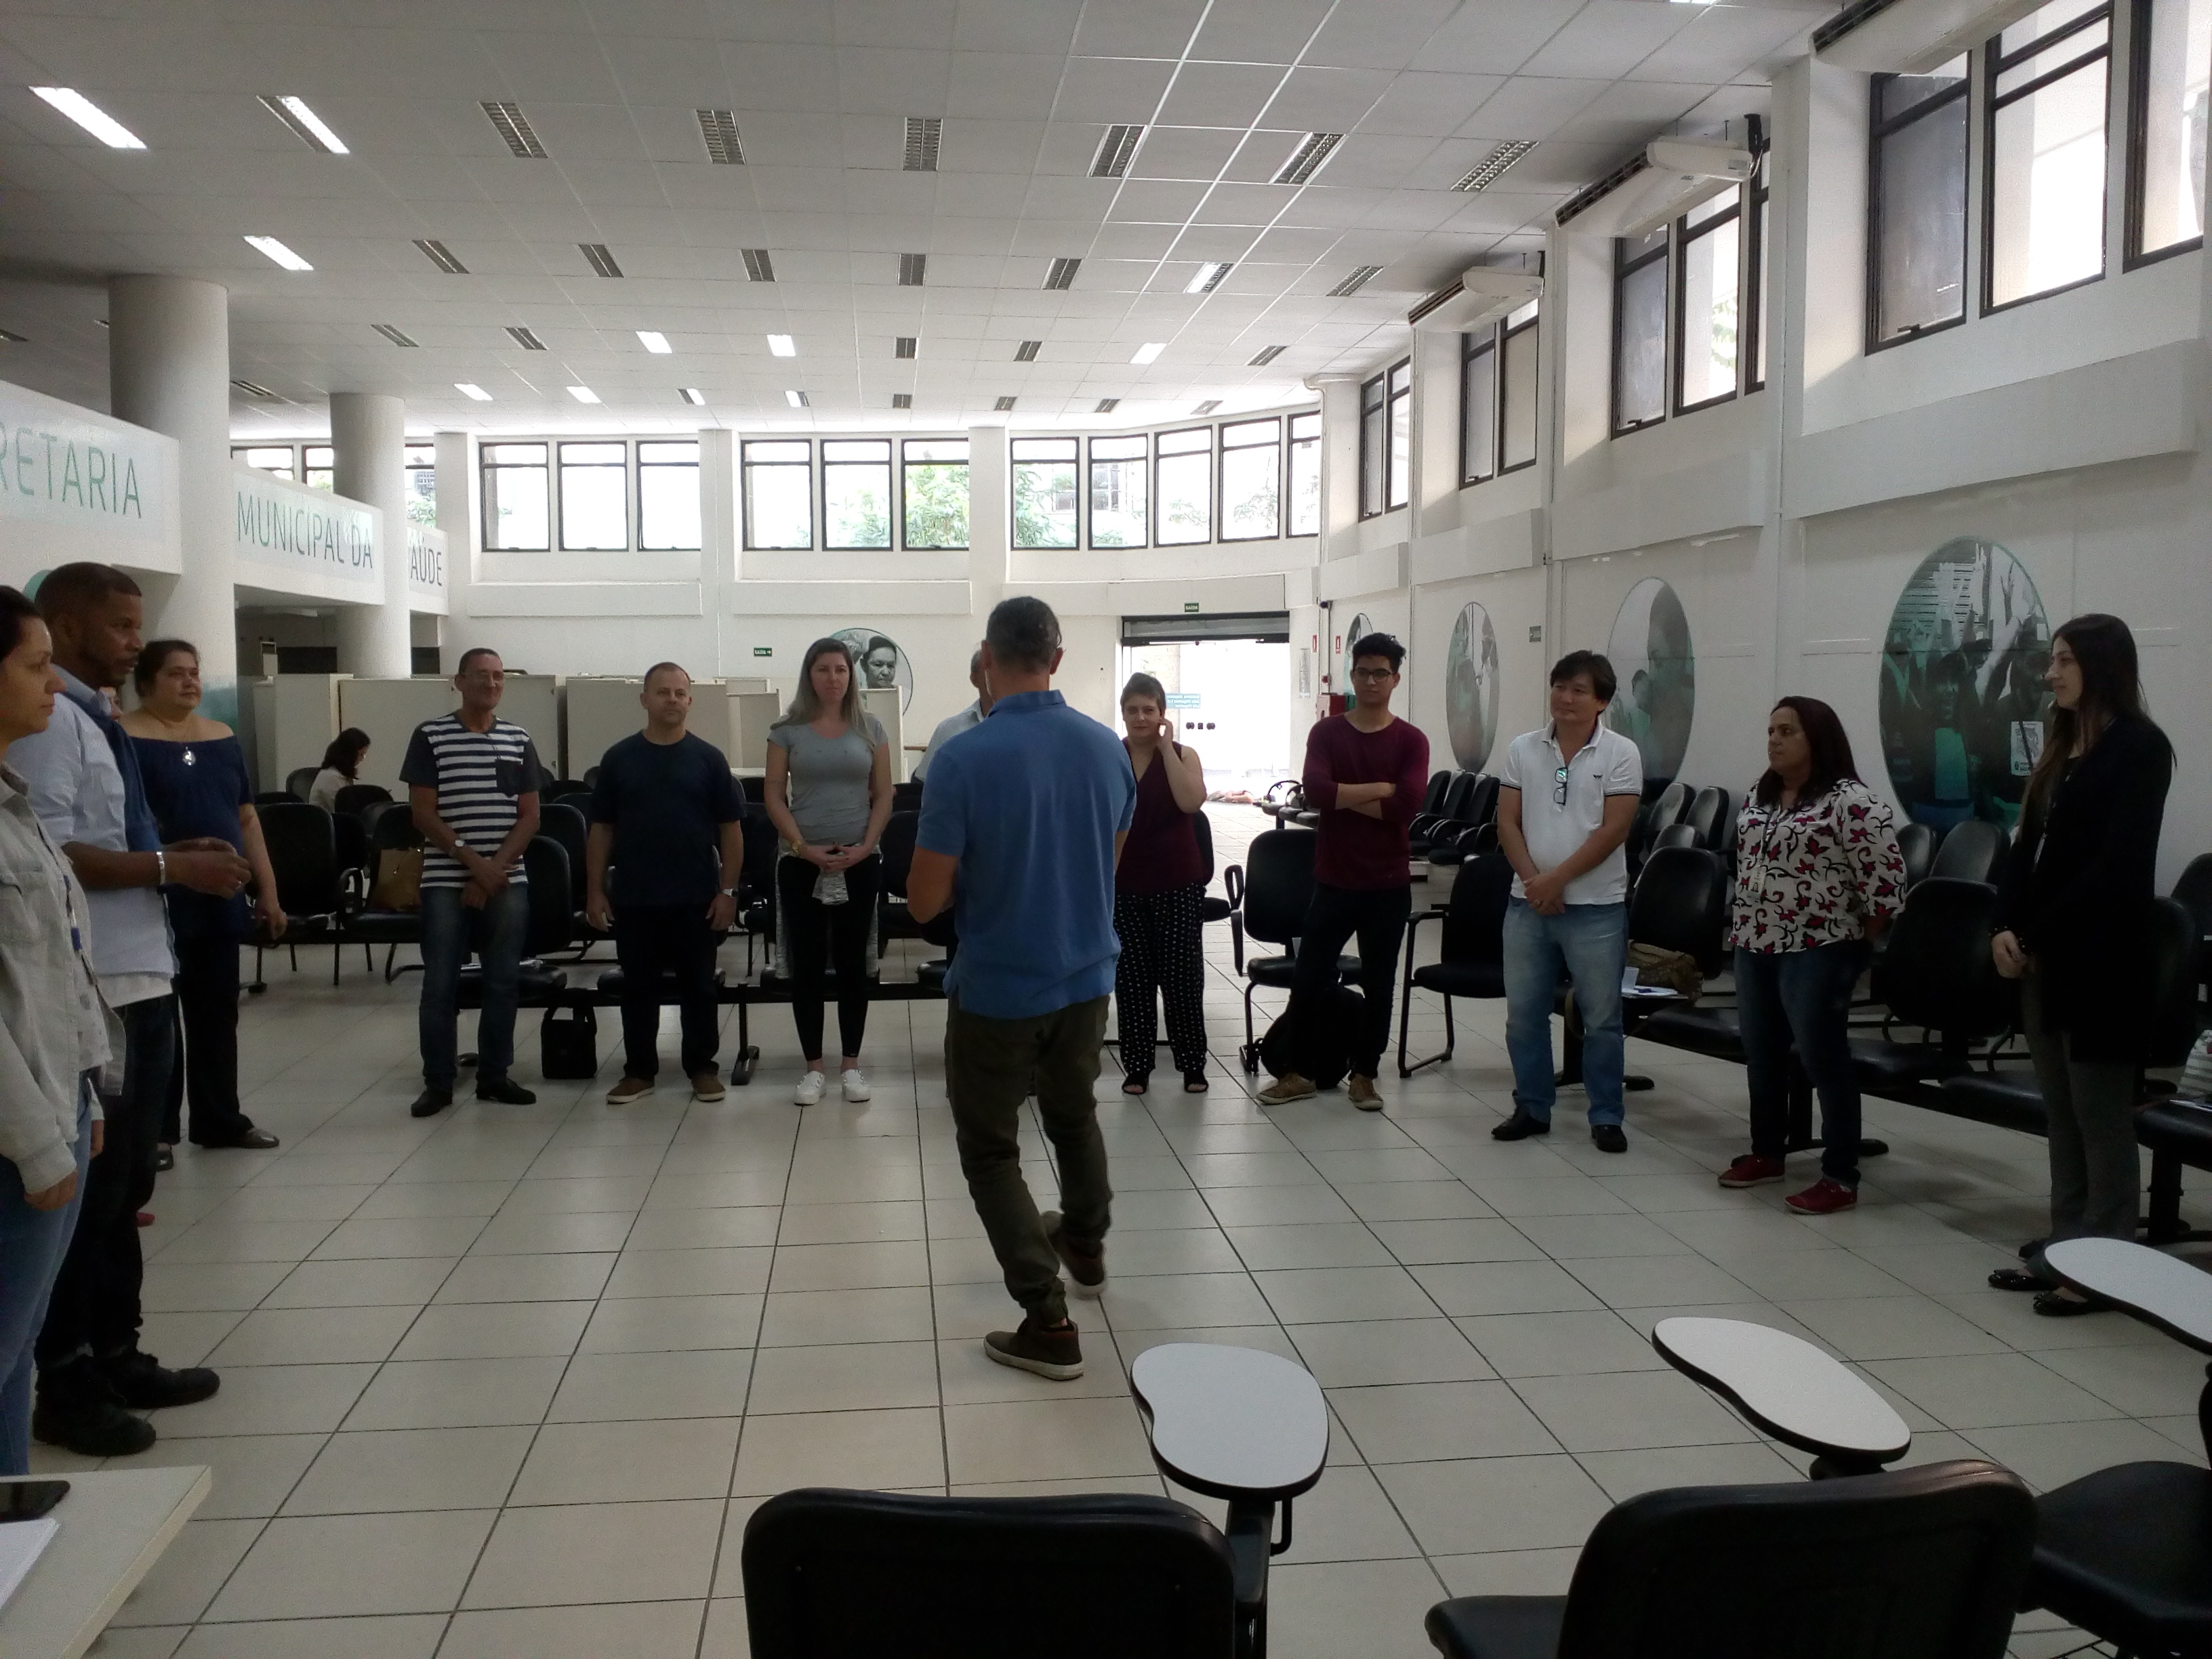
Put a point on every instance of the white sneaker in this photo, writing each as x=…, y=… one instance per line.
x=856, y=1084
x=809, y=1091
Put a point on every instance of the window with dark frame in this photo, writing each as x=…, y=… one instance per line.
x=319, y=466
x=1373, y=447
x=1709, y=301
x=667, y=495
x=1183, y=480
x=422, y=463
x=1917, y=204
x=1305, y=474
x=1120, y=473
x=2042, y=217
x=2171, y=46
x=279, y=461
x=933, y=494
x=1045, y=493
x=1639, y=330
x=594, y=497
x=1478, y=405
x=1758, y=268
x=1517, y=388
x=779, y=481
x=517, y=498
x=1401, y=433
x=856, y=493
x=1251, y=479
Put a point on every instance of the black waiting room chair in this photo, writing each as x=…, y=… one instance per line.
x=1681, y=902
x=1473, y=835
x=298, y=780
x=368, y=926
x=1972, y=851
x=1278, y=883
x=564, y=822
x=1923, y=1563
x=303, y=853
x=349, y=800
x=1915, y=844
x=1213, y=907
x=1472, y=954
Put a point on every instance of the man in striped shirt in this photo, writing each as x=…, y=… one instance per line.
x=472, y=782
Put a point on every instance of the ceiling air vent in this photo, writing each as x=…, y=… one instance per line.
x=443, y=257
x=903, y=346
x=596, y=255
x=923, y=133
x=1487, y=172
x=251, y=388
x=393, y=335
x=1107, y=405
x=1027, y=351
x=1352, y=284
x=514, y=126
x=1267, y=355
x=1114, y=150
x=1062, y=274
x=1207, y=407
x=913, y=267
x=718, y=128
x=523, y=338
x=1003, y=405
x=902, y=400
x=1305, y=161
x=758, y=267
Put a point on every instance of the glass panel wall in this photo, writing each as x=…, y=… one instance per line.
x=667, y=495
x=1119, y=516
x=934, y=492
x=1251, y=479
x=1182, y=485
x=856, y=493
x=778, y=487
x=594, y=497
x=1044, y=492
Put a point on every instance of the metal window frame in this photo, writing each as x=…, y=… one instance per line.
x=1159, y=500
x=1506, y=336
x=1995, y=63
x=904, y=466
x=238, y=453
x=1623, y=269
x=1013, y=468
x=1091, y=462
x=1879, y=131
x=2133, y=255
x=1368, y=464
x=1679, y=236
x=638, y=465
x=1393, y=396
x=1220, y=482
x=1759, y=228
x=1488, y=342
x=1291, y=444
x=746, y=496
x=629, y=493
x=894, y=504
x=486, y=466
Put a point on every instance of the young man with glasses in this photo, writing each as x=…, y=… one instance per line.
x=1565, y=801
x=1365, y=772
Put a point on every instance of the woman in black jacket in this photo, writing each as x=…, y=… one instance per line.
x=2072, y=911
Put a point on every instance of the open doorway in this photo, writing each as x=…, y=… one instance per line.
x=1229, y=697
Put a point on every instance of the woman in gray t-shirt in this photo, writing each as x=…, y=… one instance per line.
x=828, y=794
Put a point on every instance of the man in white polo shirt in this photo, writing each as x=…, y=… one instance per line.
x=1565, y=801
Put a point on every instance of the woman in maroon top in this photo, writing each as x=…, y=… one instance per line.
x=1157, y=888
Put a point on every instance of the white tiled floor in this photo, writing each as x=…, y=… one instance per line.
x=509, y=1382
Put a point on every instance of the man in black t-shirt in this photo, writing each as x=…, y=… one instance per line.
x=665, y=814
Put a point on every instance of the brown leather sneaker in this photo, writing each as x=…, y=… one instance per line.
x=1361, y=1092
x=1054, y=1353
x=1086, y=1269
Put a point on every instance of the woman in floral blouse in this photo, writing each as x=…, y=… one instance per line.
x=1818, y=877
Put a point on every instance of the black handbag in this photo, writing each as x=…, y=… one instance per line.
x=569, y=1048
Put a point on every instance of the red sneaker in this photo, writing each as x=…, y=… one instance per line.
x=1823, y=1197
x=145, y=1217
x=1752, y=1170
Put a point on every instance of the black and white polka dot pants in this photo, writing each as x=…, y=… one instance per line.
x=1163, y=954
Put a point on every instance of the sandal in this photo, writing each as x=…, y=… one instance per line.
x=165, y=1160
x=1137, y=1083
x=2017, y=1278
x=2058, y=1304
x=1194, y=1082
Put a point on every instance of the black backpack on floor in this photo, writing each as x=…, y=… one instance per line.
x=1327, y=1040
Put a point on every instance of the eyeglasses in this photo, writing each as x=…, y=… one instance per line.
x=1559, y=786
x=1372, y=676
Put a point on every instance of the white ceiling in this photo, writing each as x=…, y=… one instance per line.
x=1422, y=89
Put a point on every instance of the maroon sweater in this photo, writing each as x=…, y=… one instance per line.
x=1357, y=851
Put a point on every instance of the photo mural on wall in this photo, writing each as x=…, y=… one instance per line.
x=881, y=664
x=1657, y=695
x=1357, y=630
x=1961, y=693
x=1471, y=683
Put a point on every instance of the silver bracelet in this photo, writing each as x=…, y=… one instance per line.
x=160, y=868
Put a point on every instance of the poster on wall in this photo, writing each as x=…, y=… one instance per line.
x=881, y=663
x=1961, y=692
x=1471, y=688
x=1657, y=695
x=1357, y=630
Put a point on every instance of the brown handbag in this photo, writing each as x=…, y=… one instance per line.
x=398, y=884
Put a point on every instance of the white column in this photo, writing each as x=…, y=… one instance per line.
x=457, y=517
x=168, y=368
x=719, y=508
x=369, y=430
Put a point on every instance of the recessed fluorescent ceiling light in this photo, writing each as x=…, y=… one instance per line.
x=782, y=345
x=14, y=338
x=1062, y=274
x=902, y=400
x=1107, y=405
x=1027, y=351
x=1114, y=150
x=514, y=126
x=89, y=116
x=309, y=126
x=600, y=258
x=796, y=399
x=472, y=392
x=1266, y=355
x=1207, y=407
x=392, y=334
x=583, y=394
x=278, y=251
x=443, y=257
x=251, y=388
x=1359, y=278
x=1003, y=405
x=758, y=268
x=1305, y=161
x=913, y=267
x=923, y=133
x=1487, y=172
x=525, y=338
x=654, y=341
x=1149, y=351
x=691, y=394
x=1209, y=276
x=904, y=346
x=718, y=128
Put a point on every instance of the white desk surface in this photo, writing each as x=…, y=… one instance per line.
x=1786, y=1386
x=2165, y=1289
x=114, y=1527
x=1230, y=1421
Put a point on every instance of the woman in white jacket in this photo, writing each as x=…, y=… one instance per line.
x=52, y=1033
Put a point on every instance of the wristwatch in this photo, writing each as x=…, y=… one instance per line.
x=729, y=892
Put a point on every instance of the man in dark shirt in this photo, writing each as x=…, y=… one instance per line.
x=1365, y=771
x=667, y=814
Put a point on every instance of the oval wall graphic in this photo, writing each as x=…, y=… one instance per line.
x=879, y=661
x=1656, y=699
x=1471, y=688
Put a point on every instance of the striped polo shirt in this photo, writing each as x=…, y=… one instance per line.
x=481, y=778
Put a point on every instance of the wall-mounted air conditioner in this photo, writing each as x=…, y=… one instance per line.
x=1481, y=295
x=1911, y=37
x=1670, y=176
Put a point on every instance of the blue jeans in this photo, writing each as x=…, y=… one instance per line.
x=1804, y=997
x=450, y=929
x=1590, y=942
x=32, y=1244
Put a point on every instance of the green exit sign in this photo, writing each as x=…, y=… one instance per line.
x=1190, y=607
x=763, y=651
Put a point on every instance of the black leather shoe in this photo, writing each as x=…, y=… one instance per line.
x=1608, y=1138
x=2018, y=1279
x=144, y=1384
x=2051, y=1305
x=90, y=1426
x=430, y=1102
x=504, y=1090
x=1519, y=1126
x=246, y=1141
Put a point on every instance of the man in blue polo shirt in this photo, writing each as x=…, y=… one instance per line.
x=1021, y=828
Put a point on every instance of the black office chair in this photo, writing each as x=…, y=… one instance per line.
x=896, y=848
x=300, y=781
x=1708, y=812
x=1681, y=902
x=1455, y=844
x=1452, y=808
x=1662, y=811
x=1937, y=974
x=1675, y=835
x=1917, y=844
x=2193, y=893
x=907, y=797
x=302, y=843
x=755, y=790
x=1278, y=882
x=1213, y=907
x=1912, y=1564
x=1470, y=960
x=392, y=831
x=551, y=926
x=349, y=800
x=1972, y=851
x=564, y=789
x=274, y=798
x=867, y=1575
x=564, y=822
x=352, y=836
x=756, y=888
